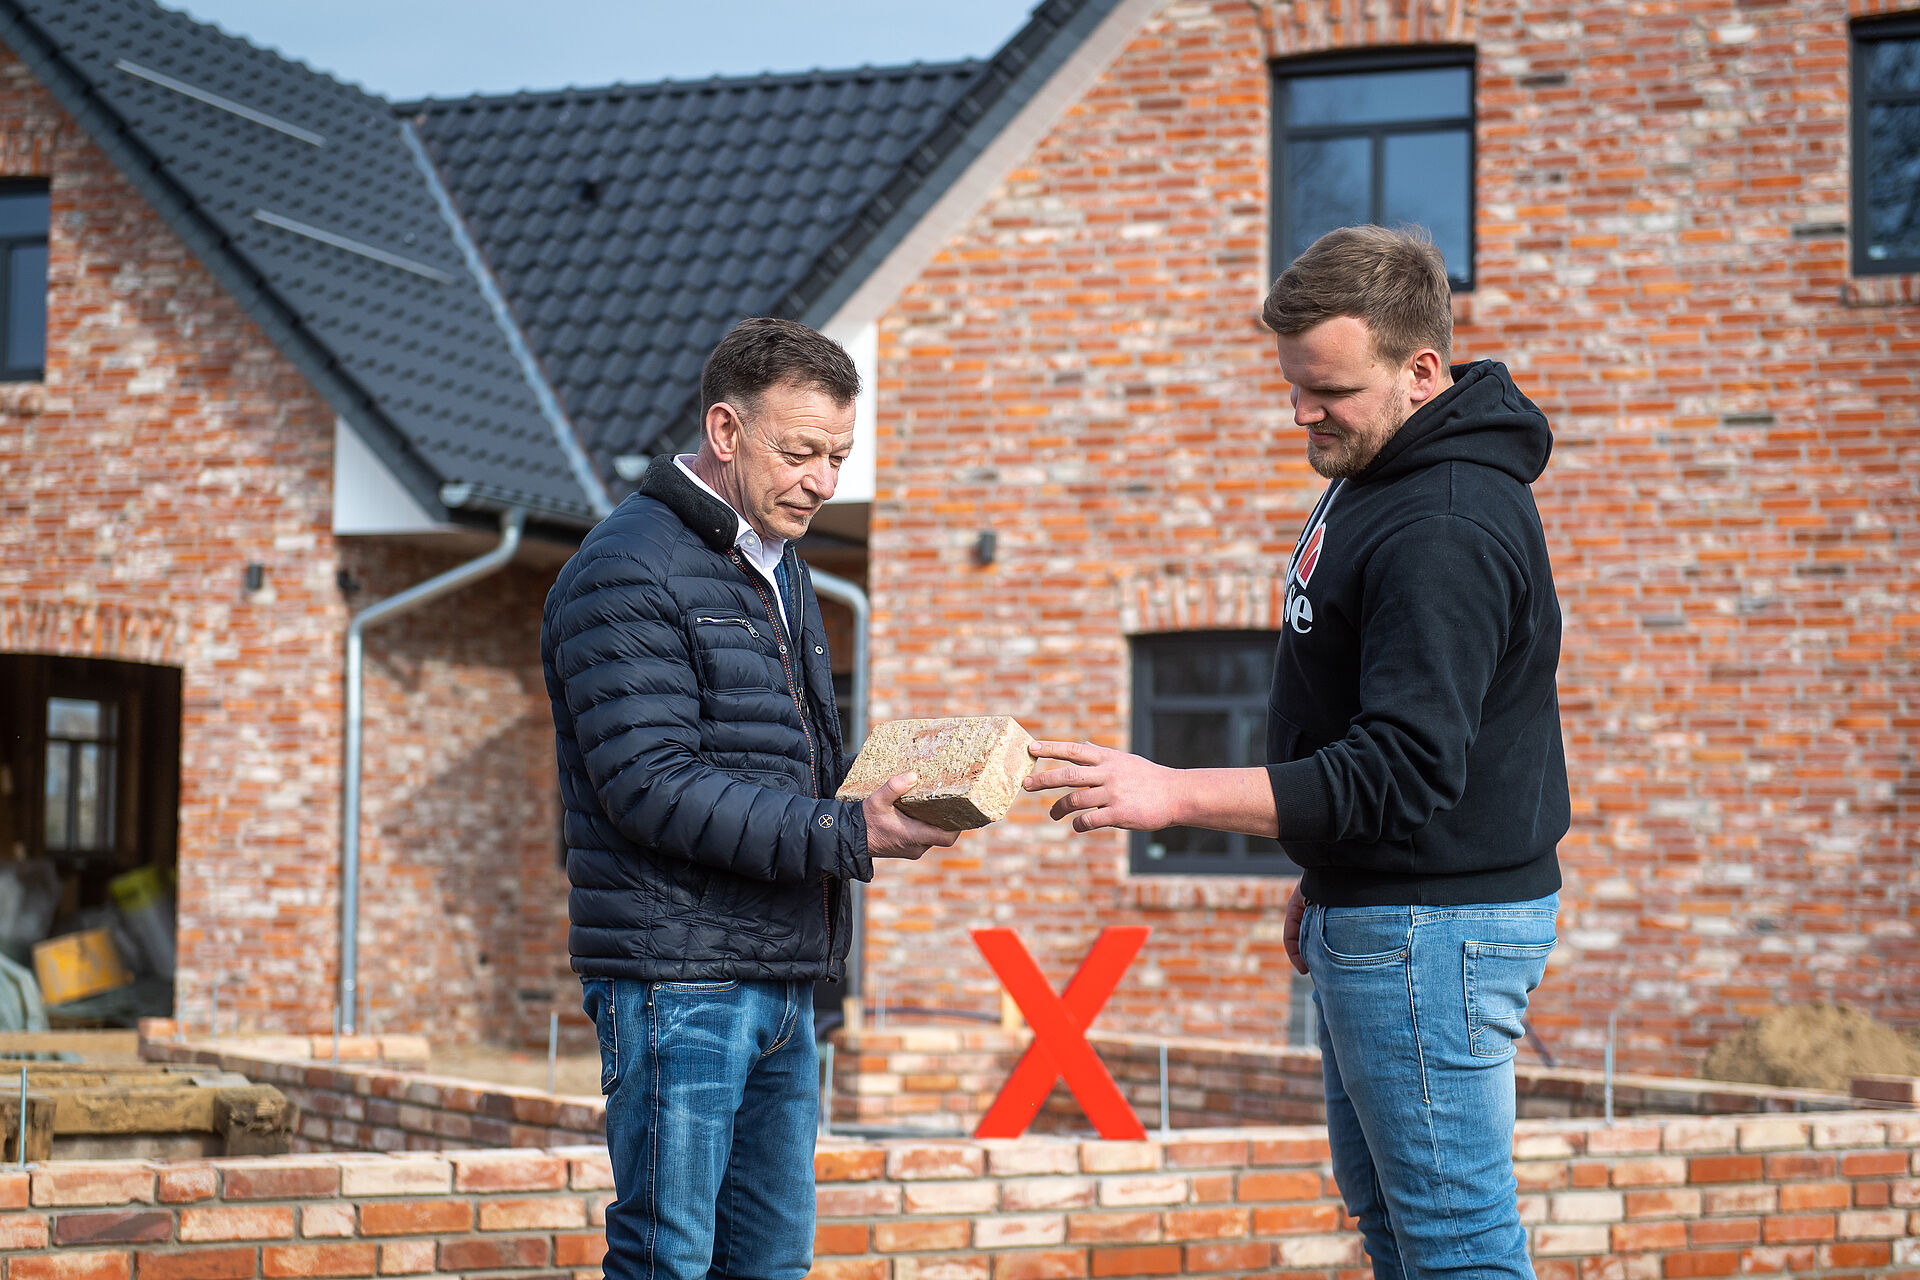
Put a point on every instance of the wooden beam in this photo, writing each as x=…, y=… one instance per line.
x=40, y=1127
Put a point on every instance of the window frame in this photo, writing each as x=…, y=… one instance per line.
x=106, y=815
x=1237, y=861
x=1409, y=58
x=8, y=243
x=1862, y=33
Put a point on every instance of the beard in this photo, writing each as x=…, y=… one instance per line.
x=1353, y=449
x=1347, y=456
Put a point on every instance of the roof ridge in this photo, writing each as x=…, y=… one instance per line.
x=247, y=42
x=80, y=59
x=865, y=225
x=57, y=69
x=654, y=88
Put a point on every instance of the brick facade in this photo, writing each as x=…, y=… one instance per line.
x=169, y=446
x=1833, y=1195
x=1662, y=262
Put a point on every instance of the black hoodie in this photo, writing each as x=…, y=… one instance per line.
x=1414, y=729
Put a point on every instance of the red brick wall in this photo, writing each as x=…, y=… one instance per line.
x=939, y=1080
x=169, y=446
x=1082, y=369
x=1679, y=1197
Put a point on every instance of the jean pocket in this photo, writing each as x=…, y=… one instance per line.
x=1500, y=976
x=695, y=988
x=1358, y=938
x=597, y=999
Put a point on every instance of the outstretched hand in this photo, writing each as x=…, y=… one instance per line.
x=1110, y=788
x=893, y=834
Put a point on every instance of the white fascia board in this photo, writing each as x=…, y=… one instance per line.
x=1014, y=143
x=856, y=474
x=367, y=498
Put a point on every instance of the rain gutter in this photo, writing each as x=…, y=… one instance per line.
x=511, y=523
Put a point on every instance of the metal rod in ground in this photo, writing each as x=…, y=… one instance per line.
x=826, y=1091
x=21, y=1137
x=1609, y=1077
x=336, y=1033
x=553, y=1044
x=1164, y=1108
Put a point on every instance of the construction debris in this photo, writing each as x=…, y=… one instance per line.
x=77, y=1110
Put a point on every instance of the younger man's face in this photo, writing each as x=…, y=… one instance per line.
x=1349, y=401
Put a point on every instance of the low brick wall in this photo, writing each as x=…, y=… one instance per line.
x=941, y=1079
x=916, y=1079
x=528, y=1212
x=376, y=1107
x=1677, y=1197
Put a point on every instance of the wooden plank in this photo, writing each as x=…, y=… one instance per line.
x=78, y=1076
x=40, y=1127
x=93, y=1046
x=226, y=1108
x=116, y=1110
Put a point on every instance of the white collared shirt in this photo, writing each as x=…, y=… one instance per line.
x=762, y=553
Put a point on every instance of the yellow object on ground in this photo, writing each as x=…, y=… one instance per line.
x=78, y=964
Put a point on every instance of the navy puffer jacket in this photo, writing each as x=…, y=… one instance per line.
x=695, y=742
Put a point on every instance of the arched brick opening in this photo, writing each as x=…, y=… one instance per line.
x=1215, y=598
x=1324, y=26
x=89, y=630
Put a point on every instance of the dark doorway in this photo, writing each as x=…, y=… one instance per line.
x=89, y=789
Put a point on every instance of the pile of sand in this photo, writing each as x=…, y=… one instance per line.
x=1815, y=1046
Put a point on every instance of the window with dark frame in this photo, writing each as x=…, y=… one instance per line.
x=1200, y=702
x=1384, y=137
x=1886, y=145
x=25, y=215
x=82, y=766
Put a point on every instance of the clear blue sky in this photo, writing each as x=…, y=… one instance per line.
x=415, y=48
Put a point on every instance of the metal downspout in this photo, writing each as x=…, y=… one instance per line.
x=835, y=588
x=511, y=523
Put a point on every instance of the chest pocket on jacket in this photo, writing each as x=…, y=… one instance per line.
x=729, y=650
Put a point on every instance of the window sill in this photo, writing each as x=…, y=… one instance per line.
x=1896, y=289
x=1189, y=893
x=25, y=399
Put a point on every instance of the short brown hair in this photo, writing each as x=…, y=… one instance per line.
x=766, y=351
x=1394, y=281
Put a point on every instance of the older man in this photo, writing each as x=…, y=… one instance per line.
x=699, y=751
x=1415, y=764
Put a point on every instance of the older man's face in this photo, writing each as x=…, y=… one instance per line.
x=788, y=457
x=1350, y=401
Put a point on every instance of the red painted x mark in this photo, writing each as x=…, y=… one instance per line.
x=1060, y=1049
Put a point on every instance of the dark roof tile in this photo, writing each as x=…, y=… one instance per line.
x=715, y=198
x=328, y=159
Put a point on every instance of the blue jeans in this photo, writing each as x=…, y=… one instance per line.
x=1420, y=1011
x=712, y=1106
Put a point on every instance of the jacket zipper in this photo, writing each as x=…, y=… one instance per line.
x=732, y=622
x=786, y=667
x=813, y=768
